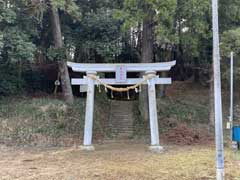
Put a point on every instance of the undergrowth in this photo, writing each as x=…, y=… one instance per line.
x=183, y=110
x=172, y=112
x=43, y=121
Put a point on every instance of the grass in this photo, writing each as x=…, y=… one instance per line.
x=183, y=110
x=128, y=161
x=32, y=121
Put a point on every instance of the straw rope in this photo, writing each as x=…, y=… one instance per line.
x=133, y=87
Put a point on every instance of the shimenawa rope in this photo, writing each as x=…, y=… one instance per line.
x=133, y=87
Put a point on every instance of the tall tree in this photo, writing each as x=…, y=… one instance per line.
x=147, y=55
x=58, y=43
x=152, y=15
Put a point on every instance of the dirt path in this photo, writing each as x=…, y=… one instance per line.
x=125, y=161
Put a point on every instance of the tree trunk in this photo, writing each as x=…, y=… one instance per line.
x=62, y=65
x=80, y=55
x=179, y=69
x=166, y=55
x=196, y=70
x=147, y=57
x=162, y=87
x=139, y=42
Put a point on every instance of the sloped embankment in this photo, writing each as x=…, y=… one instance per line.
x=46, y=121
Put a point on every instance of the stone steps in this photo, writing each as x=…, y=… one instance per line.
x=121, y=119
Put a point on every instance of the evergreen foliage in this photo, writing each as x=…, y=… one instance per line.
x=111, y=31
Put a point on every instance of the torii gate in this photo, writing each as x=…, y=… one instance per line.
x=150, y=78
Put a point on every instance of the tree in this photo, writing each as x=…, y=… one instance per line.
x=58, y=44
x=193, y=28
x=16, y=46
x=58, y=52
x=97, y=37
x=152, y=15
x=229, y=15
x=230, y=41
x=146, y=55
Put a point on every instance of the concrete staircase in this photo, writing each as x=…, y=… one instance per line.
x=121, y=119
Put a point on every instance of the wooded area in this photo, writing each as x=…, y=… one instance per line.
x=37, y=36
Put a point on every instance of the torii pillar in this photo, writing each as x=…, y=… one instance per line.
x=88, y=127
x=152, y=105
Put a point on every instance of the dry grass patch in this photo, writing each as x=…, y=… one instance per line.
x=126, y=161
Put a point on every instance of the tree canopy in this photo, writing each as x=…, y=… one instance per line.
x=111, y=31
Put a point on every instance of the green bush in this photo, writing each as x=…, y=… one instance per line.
x=10, y=83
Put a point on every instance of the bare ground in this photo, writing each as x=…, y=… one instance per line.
x=112, y=161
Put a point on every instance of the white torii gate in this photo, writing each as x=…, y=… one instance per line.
x=150, y=70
